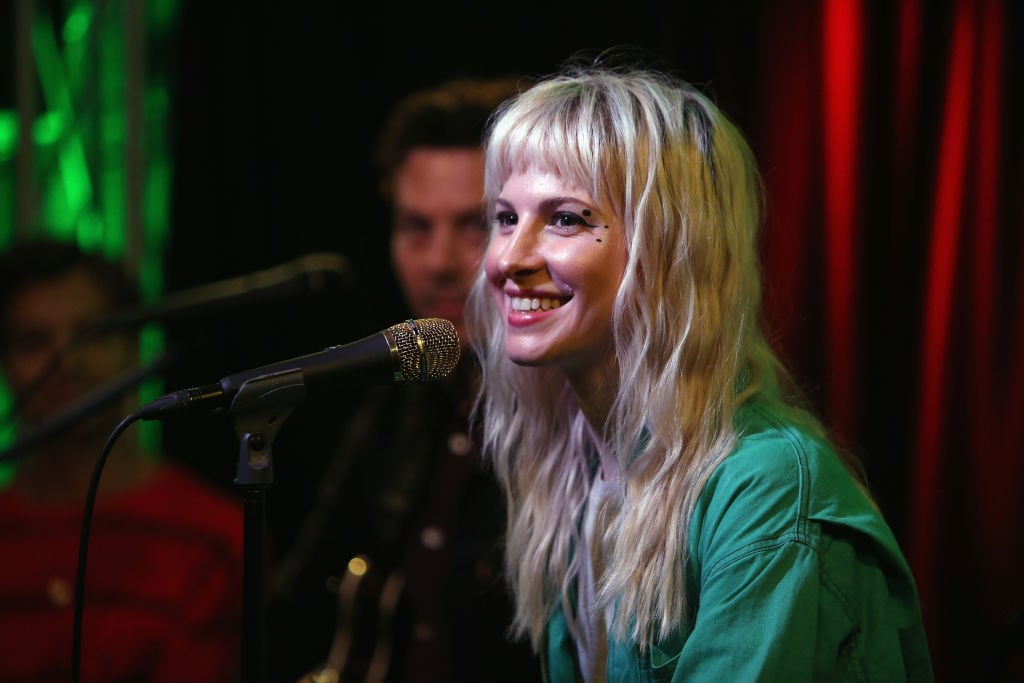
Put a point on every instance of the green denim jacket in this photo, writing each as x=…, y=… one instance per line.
x=793, y=575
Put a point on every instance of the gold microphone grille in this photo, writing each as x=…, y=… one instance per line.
x=429, y=348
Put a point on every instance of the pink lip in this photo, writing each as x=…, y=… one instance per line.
x=526, y=318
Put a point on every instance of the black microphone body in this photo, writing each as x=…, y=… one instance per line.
x=413, y=351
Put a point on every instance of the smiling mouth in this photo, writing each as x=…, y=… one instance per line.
x=525, y=304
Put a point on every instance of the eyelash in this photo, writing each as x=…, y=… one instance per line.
x=567, y=218
x=505, y=218
x=562, y=219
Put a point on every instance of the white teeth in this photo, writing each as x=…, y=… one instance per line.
x=534, y=304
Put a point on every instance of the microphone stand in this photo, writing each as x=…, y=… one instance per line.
x=260, y=407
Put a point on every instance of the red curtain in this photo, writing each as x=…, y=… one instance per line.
x=893, y=252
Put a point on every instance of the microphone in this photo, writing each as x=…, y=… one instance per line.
x=309, y=274
x=412, y=351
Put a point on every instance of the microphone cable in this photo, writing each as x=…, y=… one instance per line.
x=83, y=546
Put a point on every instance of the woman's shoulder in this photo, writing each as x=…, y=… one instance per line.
x=776, y=452
x=784, y=485
x=781, y=477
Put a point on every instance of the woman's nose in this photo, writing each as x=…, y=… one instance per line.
x=519, y=252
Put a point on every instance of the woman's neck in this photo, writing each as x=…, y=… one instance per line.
x=595, y=391
x=595, y=394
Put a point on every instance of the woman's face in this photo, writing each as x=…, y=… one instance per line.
x=554, y=265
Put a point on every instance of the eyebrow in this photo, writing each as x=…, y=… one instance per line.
x=549, y=203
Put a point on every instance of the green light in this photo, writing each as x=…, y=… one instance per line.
x=77, y=25
x=74, y=177
x=6, y=474
x=8, y=134
x=49, y=128
x=90, y=231
x=7, y=434
x=71, y=155
x=161, y=14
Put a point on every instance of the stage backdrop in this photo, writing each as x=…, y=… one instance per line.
x=892, y=153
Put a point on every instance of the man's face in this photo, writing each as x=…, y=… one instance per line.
x=41, y=319
x=438, y=235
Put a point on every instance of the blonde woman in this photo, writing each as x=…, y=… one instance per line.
x=674, y=513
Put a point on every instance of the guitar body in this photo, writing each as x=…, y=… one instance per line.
x=368, y=601
x=410, y=524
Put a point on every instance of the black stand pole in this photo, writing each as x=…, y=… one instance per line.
x=253, y=614
x=261, y=407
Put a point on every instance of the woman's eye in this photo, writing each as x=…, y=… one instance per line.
x=503, y=218
x=567, y=219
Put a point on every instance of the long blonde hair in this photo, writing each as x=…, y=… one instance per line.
x=688, y=343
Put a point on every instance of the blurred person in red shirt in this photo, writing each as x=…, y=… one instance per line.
x=163, y=600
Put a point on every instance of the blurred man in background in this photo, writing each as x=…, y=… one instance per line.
x=406, y=529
